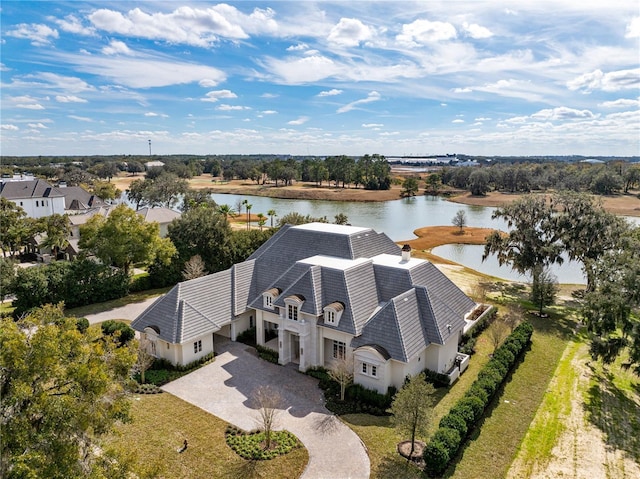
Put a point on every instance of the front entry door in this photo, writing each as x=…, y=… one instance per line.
x=295, y=348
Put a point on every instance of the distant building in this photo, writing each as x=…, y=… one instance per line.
x=77, y=199
x=162, y=216
x=593, y=161
x=149, y=165
x=36, y=197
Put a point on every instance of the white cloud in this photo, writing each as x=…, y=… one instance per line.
x=372, y=125
x=620, y=103
x=81, y=118
x=458, y=120
x=349, y=32
x=38, y=34
x=143, y=71
x=269, y=112
x=421, y=32
x=612, y=81
x=9, y=127
x=232, y=107
x=4, y=68
x=269, y=95
x=72, y=24
x=462, y=90
x=563, y=113
x=214, y=96
x=481, y=118
x=300, y=121
x=154, y=114
x=298, y=47
x=302, y=70
x=373, y=96
x=476, y=31
x=30, y=106
x=117, y=47
x=633, y=28
x=36, y=125
x=69, y=99
x=332, y=92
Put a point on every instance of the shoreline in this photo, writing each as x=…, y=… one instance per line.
x=621, y=204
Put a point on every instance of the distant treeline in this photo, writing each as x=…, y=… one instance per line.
x=604, y=179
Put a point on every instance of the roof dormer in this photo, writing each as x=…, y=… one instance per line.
x=332, y=313
x=269, y=297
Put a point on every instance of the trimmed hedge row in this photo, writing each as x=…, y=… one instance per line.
x=267, y=354
x=466, y=413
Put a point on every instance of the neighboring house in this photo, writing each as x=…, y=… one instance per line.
x=79, y=200
x=149, y=165
x=162, y=216
x=328, y=292
x=36, y=197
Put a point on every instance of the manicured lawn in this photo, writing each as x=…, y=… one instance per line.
x=491, y=450
x=162, y=422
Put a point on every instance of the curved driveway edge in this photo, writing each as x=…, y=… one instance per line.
x=224, y=388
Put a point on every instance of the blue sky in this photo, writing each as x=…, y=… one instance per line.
x=398, y=78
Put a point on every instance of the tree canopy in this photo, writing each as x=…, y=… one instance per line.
x=61, y=389
x=124, y=238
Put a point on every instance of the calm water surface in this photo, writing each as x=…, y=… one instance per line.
x=400, y=218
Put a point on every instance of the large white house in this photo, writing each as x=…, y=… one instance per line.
x=326, y=292
x=36, y=197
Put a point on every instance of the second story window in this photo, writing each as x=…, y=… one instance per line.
x=292, y=312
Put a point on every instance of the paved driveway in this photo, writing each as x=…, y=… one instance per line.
x=224, y=388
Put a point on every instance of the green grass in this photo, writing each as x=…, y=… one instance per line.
x=162, y=422
x=491, y=449
x=381, y=440
x=545, y=431
x=83, y=311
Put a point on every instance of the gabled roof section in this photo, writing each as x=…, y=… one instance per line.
x=191, y=309
x=441, y=287
x=396, y=327
x=294, y=243
x=159, y=214
x=242, y=275
x=77, y=198
x=439, y=319
x=13, y=190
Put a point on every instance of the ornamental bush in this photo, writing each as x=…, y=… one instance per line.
x=466, y=413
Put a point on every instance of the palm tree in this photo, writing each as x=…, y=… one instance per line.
x=262, y=219
x=225, y=210
x=248, y=206
x=58, y=230
x=271, y=213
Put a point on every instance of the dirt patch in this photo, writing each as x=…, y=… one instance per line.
x=431, y=236
x=404, y=449
x=583, y=450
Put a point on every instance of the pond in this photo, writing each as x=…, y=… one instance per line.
x=397, y=218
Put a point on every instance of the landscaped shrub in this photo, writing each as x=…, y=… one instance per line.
x=436, y=457
x=450, y=438
x=248, y=336
x=454, y=421
x=249, y=445
x=475, y=404
x=439, y=380
x=466, y=413
x=267, y=354
x=118, y=329
x=141, y=282
x=82, y=324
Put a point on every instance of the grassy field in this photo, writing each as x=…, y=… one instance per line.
x=160, y=425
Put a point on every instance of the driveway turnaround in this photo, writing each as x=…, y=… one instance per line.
x=224, y=388
x=129, y=311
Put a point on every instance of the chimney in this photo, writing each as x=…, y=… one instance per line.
x=406, y=253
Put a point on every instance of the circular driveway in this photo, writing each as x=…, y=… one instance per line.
x=225, y=387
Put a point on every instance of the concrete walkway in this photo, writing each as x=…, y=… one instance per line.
x=130, y=311
x=224, y=388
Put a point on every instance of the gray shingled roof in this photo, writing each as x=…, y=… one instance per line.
x=14, y=190
x=77, y=198
x=395, y=305
x=190, y=309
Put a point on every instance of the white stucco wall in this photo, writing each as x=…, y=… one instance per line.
x=46, y=206
x=382, y=380
x=187, y=354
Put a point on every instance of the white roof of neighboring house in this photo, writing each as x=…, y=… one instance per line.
x=160, y=215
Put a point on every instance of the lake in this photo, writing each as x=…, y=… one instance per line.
x=400, y=218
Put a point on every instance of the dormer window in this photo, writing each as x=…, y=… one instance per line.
x=269, y=296
x=293, y=304
x=332, y=313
